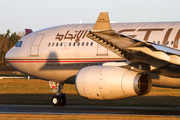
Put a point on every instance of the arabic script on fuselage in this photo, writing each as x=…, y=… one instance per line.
x=76, y=36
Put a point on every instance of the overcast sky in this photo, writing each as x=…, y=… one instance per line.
x=38, y=14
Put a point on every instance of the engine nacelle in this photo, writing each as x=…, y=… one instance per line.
x=111, y=83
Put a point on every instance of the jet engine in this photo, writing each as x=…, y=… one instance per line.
x=111, y=83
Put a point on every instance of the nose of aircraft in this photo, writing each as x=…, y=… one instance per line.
x=8, y=55
x=11, y=54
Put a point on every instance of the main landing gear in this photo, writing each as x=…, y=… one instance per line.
x=60, y=98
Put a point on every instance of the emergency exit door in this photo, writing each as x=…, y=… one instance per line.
x=102, y=51
x=36, y=44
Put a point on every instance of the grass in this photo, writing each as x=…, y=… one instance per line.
x=82, y=117
x=37, y=92
x=30, y=86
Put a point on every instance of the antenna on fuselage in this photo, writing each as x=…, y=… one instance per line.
x=80, y=22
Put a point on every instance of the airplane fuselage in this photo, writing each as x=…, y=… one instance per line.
x=58, y=53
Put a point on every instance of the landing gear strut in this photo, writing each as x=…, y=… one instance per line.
x=60, y=98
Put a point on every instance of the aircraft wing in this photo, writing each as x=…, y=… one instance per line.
x=131, y=49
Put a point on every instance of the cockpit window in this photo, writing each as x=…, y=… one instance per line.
x=18, y=44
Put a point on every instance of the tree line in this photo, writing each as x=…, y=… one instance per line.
x=7, y=41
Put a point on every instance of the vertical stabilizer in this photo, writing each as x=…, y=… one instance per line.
x=28, y=31
x=102, y=22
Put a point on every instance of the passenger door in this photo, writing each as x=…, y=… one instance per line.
x=36, y=44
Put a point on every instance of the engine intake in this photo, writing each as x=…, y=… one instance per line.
x=111, y=83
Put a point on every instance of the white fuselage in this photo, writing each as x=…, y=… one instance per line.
x=58, y=53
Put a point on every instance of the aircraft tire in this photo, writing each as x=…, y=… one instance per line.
x=56, y=100
x=63, y=100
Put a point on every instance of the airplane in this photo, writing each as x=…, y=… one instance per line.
x=114, y=61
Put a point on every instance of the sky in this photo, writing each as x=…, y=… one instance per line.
x=17, y=15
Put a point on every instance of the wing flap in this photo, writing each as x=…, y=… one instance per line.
x=156, y=54
x=175, y=59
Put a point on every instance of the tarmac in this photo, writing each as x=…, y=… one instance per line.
x=59, y=110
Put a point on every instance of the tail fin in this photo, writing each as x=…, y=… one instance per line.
x=102, y=22
x=28, y=31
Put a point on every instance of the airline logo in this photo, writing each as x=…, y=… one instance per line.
x=147, y=33
x=69, y=35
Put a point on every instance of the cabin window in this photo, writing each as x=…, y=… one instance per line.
x=61, y=44
x=74, y=44
x=158, y=42
x=167, y=42
x=57, y=44
x=49, y=44
x=82, y=43
x=65, y=44
x=52, y=44
x=172, y=42
x=153, y=41
x=78, y=44
x=91, y=43
x=70, y=44
x=87, y=43
x=176, y=42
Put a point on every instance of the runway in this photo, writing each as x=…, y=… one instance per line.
x=48, y=109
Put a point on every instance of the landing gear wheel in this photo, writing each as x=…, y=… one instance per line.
x=56, y=100
x=63, y=100
x=60, y=98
